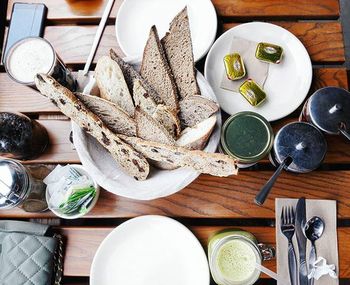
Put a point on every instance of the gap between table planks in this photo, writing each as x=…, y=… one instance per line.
x=82, y=243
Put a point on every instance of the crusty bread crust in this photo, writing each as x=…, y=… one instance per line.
x=155, y=69
x=210, y=163
x=195, y=109
x=178, y=48
x=111, y=114
x=130, y=160
x=148, y=128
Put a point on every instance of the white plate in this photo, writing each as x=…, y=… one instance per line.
x=107, y=173
x=150, y=250
x=135, y=18
x=287, y=83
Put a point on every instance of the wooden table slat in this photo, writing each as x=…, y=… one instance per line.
x=215, y=197
x=74, y=11
x=82, y=244
x=18, y=98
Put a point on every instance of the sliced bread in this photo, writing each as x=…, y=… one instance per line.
x=133, y=163
x=195, y=109
x=142, y=98
x=114, y=117
x=178, y=49
x=155, y=69
x=211, y=163
x=131, y=74
x=197, y=136
x=168, y=119
x=160, y=113
x=148, y=128
x=110, y=80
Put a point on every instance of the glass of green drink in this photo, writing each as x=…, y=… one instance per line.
x=233, y=255
x=247, y=137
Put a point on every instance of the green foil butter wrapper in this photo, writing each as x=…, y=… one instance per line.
x=234, y=66
x=252, y=92
x=269, y=53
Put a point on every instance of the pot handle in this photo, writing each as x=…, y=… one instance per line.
x=268, y=252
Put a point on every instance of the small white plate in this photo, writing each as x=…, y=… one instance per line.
x=136, y=17
x=287, y=83
x=150, y=250
x=58, y=213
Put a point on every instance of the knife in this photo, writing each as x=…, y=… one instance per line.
x=300, y=221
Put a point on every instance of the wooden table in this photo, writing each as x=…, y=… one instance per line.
x=209, y=203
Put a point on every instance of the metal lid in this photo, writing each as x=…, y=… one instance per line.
x=304, y=143
x=329, y=109
x=14, y=183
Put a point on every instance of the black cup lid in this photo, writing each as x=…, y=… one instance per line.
x=329, y=109
x=304, y=143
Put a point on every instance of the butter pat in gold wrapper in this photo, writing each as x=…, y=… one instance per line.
x=269, y=53
x=234, y=66
x=252, y=92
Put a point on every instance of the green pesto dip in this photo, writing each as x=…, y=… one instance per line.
x=247, y=136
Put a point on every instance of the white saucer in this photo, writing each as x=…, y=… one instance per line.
x=136, y=17
x=287, y=84
x=152, y=250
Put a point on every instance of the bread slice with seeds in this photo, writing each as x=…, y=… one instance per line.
x=110, y=80
x=168, y=119
x=195, y=109
x=211, y=163
x=178, y=49
x=149, y=129
x=142, y=98
x=131, y=161
x=131, y=75
x=114, y=117
x=160, y=113
x=155, y=69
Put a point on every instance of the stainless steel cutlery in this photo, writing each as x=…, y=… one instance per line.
x=294, y=222
x=288, y=229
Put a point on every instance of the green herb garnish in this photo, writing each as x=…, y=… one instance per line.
x=79, y=201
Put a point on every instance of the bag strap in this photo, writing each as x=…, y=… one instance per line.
x=58, y=260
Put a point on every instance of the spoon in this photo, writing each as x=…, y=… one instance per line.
x=265, y=190
x=313, y=230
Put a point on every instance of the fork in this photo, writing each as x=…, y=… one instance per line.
x=288, y=229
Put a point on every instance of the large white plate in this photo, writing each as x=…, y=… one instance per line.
x=107, y=173
x=287, y=84
x=135, y=18
x=150, y=250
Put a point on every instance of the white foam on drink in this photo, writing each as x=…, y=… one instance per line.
x=30, y=57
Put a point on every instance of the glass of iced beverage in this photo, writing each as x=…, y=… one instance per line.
x=34, y=55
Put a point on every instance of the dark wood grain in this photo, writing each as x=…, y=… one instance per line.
x=277, y=8
x=215, y=197
x=74, y=11
x=82, y=244
x=323, y=40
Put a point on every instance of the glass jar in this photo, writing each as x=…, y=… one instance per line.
x=232, y=257
x=247, y=137
x=21, y=137
x=19, y=189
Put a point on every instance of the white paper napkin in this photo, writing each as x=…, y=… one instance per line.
x=326, y=246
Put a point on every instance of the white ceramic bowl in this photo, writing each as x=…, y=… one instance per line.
x=91, y=206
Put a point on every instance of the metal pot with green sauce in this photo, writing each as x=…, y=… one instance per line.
x=233, y=255
x=247, y=137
